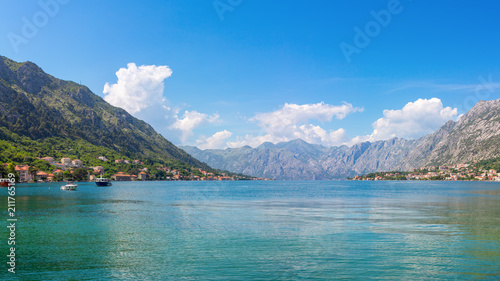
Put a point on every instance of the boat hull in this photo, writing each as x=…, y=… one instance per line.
x=103, y=183
x=5, y=183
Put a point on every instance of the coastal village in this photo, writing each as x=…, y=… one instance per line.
x=66, y=169
x=459, y=172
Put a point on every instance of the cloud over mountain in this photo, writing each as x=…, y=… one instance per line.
x=414, y=120
x=139, y=90
x=137, y=87
x=191, y=120
x=217, y=140
x=291, y=121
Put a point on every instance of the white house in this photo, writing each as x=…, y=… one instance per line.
x=77, y=163
x=66, y=161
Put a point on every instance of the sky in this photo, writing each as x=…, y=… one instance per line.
x=228, y=73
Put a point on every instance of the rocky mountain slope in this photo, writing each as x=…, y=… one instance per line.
x=476, y=136
x=37, y=105
x=299, y=160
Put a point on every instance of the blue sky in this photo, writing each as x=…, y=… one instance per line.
x=243, y=72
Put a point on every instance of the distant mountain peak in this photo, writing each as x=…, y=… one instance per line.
x=298, y=141
x=266, y=145
x=475, y=136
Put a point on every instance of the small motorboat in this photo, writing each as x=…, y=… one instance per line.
x=69, y=186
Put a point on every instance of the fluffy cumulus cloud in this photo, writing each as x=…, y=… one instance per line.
x=137, y=87
x=291, y=114
x=414, y=120
x=291, y=122
x=218, y=140
x=139, y=90
x=191, y=120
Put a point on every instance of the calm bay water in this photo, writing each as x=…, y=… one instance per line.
x=282, y=230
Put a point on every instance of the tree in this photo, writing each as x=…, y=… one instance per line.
x=11, y=168
x=160, y=174
x=32, y=170
x=80, y=174
x=134, y=171
x=67, y=175
x=58, y=177
x=3, y=172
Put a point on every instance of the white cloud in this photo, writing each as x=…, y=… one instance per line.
x=254, y=141
x=291, y=122
x=308, y=133
x=216, y=141
x=141, y=88
x=137, y=87
x=190, y=121
x=414, y=120
x=291, y=114
x=316, y=134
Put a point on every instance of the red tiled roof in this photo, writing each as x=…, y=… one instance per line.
x=22, y=167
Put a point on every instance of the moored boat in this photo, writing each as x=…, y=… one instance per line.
x=69, y=186
x=102, y=182
x=5, y=182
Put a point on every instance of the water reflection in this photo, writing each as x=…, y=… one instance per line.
x=478, y=220
x=270, y=231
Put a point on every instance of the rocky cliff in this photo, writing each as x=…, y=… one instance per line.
x=475, y=136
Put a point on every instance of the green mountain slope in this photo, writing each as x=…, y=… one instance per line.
x=41, y=107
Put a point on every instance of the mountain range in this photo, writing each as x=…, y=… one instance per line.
x=52, y=114
x=40, y=114
x=475, y=136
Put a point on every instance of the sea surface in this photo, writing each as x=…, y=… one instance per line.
x=256, y=230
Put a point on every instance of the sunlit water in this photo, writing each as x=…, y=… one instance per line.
x=256, y=230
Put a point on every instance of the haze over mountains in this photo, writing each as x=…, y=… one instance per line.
x=475, y=136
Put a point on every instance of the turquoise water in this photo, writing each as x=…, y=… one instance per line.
x=282, y=230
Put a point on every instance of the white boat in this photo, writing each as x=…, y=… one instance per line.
x=69, y=186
